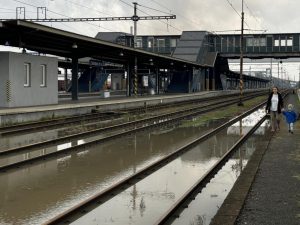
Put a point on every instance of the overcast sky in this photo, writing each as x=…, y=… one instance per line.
x=211, y=15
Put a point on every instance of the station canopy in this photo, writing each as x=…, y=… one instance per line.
x=48, y=40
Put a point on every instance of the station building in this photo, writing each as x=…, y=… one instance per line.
x=27, y=80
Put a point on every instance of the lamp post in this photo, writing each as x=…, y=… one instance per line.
x=241, y=57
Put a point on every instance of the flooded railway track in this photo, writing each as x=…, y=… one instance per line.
x=179, y=206
x=83, y=208
x=133, y=127
x=99, y=116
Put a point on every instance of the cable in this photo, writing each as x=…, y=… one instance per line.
x=84, y=6
x=131, y=6
x=154, y=9
x=251, y=12
x=161, y=5
x=126, y=3
x=234, y=8
x=61, y=14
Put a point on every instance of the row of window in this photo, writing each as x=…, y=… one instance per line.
x=160, y=42
x=262, y=42
x=257, y=42
x=42, y=73
x=283, y=42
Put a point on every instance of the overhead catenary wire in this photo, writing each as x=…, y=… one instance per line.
x=84, y=6
x=131, y=6
x=251, y=12
x=25, y=3
x=157, y=10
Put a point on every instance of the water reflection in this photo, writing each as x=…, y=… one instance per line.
x=13, y=141
x=155, y=194
x=207, y=203
x=37, y=193
x=245, y=125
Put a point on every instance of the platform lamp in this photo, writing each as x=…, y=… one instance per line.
x=240, y=103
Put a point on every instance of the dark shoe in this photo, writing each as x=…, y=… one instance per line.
x=292, y=132
x=289, y=131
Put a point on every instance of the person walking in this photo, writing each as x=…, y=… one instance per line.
x=274, y=106
x=290, y=117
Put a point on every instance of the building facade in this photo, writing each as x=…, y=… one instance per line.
x=27, y=80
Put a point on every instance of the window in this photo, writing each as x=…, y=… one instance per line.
x=43, y=76
x=150, y=42
x=256, y=42
x=27, y=74
x=139, y=43
x=249, y=42
x=173, y=43
x=282, y=42
x=160, y=43
x=276, y=43
x=289, y=41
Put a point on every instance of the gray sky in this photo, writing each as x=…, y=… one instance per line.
x=211, y=15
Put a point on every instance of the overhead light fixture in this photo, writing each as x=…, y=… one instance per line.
x=121, y=54
x=74, y=45
x=171, y=63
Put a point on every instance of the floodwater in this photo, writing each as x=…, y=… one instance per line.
x=37, y=193
x=18, y=140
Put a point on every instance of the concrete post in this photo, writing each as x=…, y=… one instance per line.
x=74, y=78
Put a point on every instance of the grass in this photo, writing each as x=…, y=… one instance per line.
x=230, y=111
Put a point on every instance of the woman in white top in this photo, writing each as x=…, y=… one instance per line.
x=274, y=106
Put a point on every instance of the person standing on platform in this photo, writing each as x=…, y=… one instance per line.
x=274, y=106
x=290, y=117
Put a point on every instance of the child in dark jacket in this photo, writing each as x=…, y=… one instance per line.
x=290, y=117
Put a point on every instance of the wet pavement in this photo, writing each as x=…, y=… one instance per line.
x=37, y=193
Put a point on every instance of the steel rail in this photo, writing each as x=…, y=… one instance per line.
x=39, y=125
x=94, y=132
x=17, y=165
x=183, y=202
x=7, y=130
x=94, y=201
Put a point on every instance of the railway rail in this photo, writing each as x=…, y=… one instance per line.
x=138, y=126
x=96, y=200
x=153, y=119
x=97, y=116
x=182, y=203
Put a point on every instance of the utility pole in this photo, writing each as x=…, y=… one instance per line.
x=241, y=58
x=271, y=75
x=299, y=78
x=135, y=18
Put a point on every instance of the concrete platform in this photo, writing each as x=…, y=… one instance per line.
x=268, y=190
